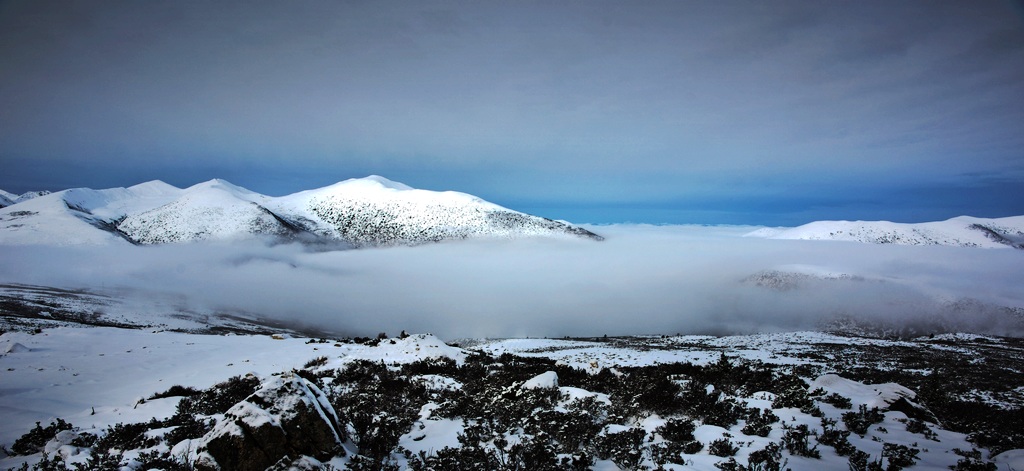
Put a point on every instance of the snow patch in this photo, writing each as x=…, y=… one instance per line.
x=545, y=380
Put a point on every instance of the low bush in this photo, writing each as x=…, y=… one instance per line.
x=859, y=421
x=722, y=447
x=797, y=441
x=759, y=422
x=34, y=440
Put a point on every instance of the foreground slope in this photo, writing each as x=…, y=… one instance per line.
x=963, y=231
x=801, y=401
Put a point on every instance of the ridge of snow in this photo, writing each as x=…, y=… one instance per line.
x=30, y=195
x=212, y=210
x=963, y=231
x=377, y=180
x=154, y=188
x=218, y=186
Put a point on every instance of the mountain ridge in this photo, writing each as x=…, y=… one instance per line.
x=370, y=211
x=962, y=231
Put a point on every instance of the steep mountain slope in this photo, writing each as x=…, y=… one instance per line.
x=6, y=199
x=963, y=231
x=375, y=211
x=213, y=210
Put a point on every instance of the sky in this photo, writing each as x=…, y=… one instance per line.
x=773, y=113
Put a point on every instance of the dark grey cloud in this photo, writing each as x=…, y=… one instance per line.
x=652, y=101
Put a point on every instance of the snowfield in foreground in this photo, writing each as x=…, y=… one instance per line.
x=803, y=400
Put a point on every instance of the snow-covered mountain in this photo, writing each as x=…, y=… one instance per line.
x=79, y=216
x=378, y=211
x=29, y=195
x=372, y=211
x=211, y=210
x=963, y=231
x=8, y=198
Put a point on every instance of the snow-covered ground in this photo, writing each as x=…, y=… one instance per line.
x=96, y=377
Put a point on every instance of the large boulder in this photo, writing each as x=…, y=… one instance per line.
x=286, y=419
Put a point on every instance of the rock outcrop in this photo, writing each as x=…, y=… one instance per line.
x=287, y=419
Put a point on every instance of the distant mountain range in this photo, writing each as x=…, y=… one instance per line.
x=371, y=211
x=963, y=231
x=7, y=199
x=374, y=211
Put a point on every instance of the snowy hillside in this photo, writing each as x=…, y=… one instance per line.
x=213, y=210
x=378, y=211
x=106, y=398
x=963, y=231
x=79, y=216
x=363, y=212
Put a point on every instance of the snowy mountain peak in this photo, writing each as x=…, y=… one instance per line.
x=375, y=211
x=154, y=188
x=219, y=185
x=377, y=181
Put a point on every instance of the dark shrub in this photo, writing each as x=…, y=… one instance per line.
x=899, y=456
x=219, y=398
x=35, y=439
x=768, y=458
x=175, y=391
x=858, y=422
x=667, y=452
x=722, y=447
x=624, y=448
x=839, y=402
x=797, y=441
x=972, y=461
x=127, y=437
x=759, y=422
x=835, y=438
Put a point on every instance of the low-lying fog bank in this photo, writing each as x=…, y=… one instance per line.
x=640, y=280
